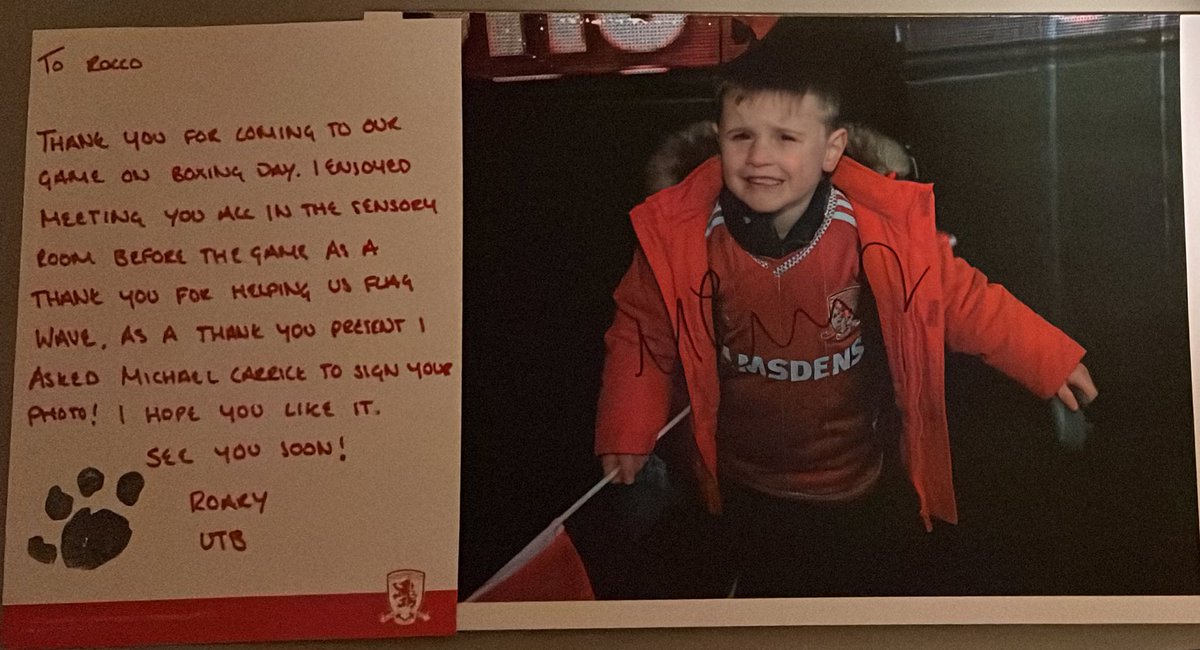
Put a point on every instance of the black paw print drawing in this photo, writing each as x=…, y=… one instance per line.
x=89, y=539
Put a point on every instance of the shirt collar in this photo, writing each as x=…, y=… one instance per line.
x=755, y=231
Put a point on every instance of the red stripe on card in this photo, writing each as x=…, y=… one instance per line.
x=217, y=620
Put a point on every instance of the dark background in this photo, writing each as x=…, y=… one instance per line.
x=1054, y=152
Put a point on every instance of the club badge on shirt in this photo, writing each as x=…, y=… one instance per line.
x=843, y=320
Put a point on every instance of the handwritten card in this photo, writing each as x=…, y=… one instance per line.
x=237, y=377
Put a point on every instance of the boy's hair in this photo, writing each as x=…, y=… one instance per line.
x=765, y=69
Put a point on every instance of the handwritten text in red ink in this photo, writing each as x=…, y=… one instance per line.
x=78, y=218
x=66, y=297
x=48, y=378
x=139, y=139
x=135, y=176
x=167, y=414
x=266, y=374
x=382, y=206
x=325, y=209
x=51, y=179
x=238, y=452
x=235, y=213
x=170, y=376
x=184, y=215
x=340, y=129
x=381, y=282
x=52, y=64
x=137, y=297
x=237, y=332
x=59, y=337
x=201, y=501
x=185, y=174
x=267, y=290
x=381, y=166
x=217, y=539
x=98, y=64
x=378, y=371
x=286, y=171
x=201, y=136
x=294, y=331
x=163, y=457
x=147, y=256
x=311, y=448
x=63, y=258
x=254, y=132
x=43, y=414
x=238, y=412
x=308, y=409
x=192, y=295
x=368, y=326
x=430, y=369
x=53, y=141
x=63, y=337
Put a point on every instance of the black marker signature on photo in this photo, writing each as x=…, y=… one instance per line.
x=710, y=284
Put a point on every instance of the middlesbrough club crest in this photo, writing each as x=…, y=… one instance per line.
x=843, y=309
x=406, y=591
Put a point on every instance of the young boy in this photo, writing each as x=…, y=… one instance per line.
x=800, y=299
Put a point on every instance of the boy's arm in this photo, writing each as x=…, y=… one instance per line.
x=640, y=364
x=986, y=320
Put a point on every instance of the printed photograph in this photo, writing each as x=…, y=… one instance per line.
x=795, y=306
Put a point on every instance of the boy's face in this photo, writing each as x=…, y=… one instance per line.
x=774, y=148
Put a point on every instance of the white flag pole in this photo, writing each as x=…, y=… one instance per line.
x=544, y=538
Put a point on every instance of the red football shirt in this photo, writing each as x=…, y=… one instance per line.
x=801, y=363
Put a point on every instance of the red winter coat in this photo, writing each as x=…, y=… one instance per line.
x=927, y=299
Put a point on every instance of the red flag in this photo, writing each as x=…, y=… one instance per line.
x=549, y=568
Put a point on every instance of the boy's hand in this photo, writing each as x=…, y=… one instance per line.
x=627, y=466
x=1079, y=381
